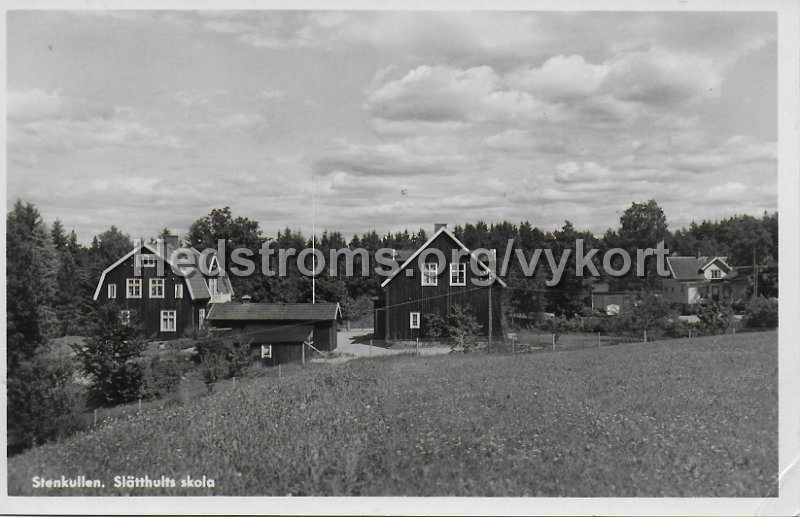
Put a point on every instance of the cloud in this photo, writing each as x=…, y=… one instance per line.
x=242, y=121
x=439, y=94
x=53, y=122
x=409, y=158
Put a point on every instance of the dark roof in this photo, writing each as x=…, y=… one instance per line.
x=268, y=334
x=691, y=268
x=274, y=312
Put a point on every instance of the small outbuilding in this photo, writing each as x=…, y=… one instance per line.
x=278, y=332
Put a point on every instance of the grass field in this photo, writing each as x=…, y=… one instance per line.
x=672, y=418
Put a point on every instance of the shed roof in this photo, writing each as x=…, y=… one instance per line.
x=274, y=312
x=265, y=334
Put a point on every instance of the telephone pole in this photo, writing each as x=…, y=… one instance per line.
x=755, y=276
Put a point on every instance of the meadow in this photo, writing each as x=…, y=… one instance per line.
x=681, y=417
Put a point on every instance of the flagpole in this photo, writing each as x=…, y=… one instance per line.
x=313, y=242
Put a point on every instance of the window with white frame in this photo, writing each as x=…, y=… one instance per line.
x=125, y=317
x=201, y=318
x=168, y=321
x=414, y=320
x=112, y=291
x=458, y=274
x=134, y=288
x=716, y=273
x=178, y=291
x=430, y=274
x=156, y=288
x=212, y=286
x=147, y=260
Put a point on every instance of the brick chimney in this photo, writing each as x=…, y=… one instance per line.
x=438, y=226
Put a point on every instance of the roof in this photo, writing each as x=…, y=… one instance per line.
x=691, y=268
x=257, y=333
x=458, y=243
x=274, y=312
x=195, y=282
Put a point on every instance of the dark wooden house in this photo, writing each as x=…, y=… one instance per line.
x=422, y=286
x=166, y=299
x=282, y=328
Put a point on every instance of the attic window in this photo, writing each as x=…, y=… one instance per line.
x=147, y=260
x=178, y=291
x=716, y=273
x=430, y=275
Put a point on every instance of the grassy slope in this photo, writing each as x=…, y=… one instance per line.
x=673, y=418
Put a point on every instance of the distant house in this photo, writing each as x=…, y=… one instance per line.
x=700, y=280
x=169, y=304
x=611, y=302
x=409, y=294
x=281, y=328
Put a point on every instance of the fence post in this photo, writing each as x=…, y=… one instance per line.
x=417, y=346
x=645, y=336
x=370, y=348
x=279, y=370
x=95, y=417
x=598, y=340
x=140, y=404
x=514, y=346
x=554, y=341
x=234, y=383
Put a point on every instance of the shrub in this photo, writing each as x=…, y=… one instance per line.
x=714, y=318
x=459, y=325
x=111, y=358
x=45, y=401
x=761, y=313
x=237, y=356
x=162, y=376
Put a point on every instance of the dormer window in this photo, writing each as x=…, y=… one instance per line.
x=716, y=274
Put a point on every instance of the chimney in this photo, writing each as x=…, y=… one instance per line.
x=246, y=299
x=438, y=226
x=170, y=243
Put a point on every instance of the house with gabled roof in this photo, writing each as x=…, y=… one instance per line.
x=699, y=280
x=422, y=286
x=163, y=288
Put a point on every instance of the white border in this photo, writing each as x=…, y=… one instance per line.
x=789, y=232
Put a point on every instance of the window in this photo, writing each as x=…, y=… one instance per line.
x=430, y=275
x=147, y=260
x=167, y=321
x=716, y=273
x=134, y=288
x=414, y=320
x=201, y=318
x=458, y=274
x=112, y=291
x=178, y=291
x=212, y=286
x=125, y=317
x=156, y=288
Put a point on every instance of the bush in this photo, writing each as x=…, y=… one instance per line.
x=761, y=313
x=162, y=376
x=237, y=356
x=44, y=400
x=714, y=318
x=459, y=325
x=111, y=357
x=675, y=328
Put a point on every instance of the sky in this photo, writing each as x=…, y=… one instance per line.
x=389, y=120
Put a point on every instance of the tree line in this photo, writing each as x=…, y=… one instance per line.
x=51, y=278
